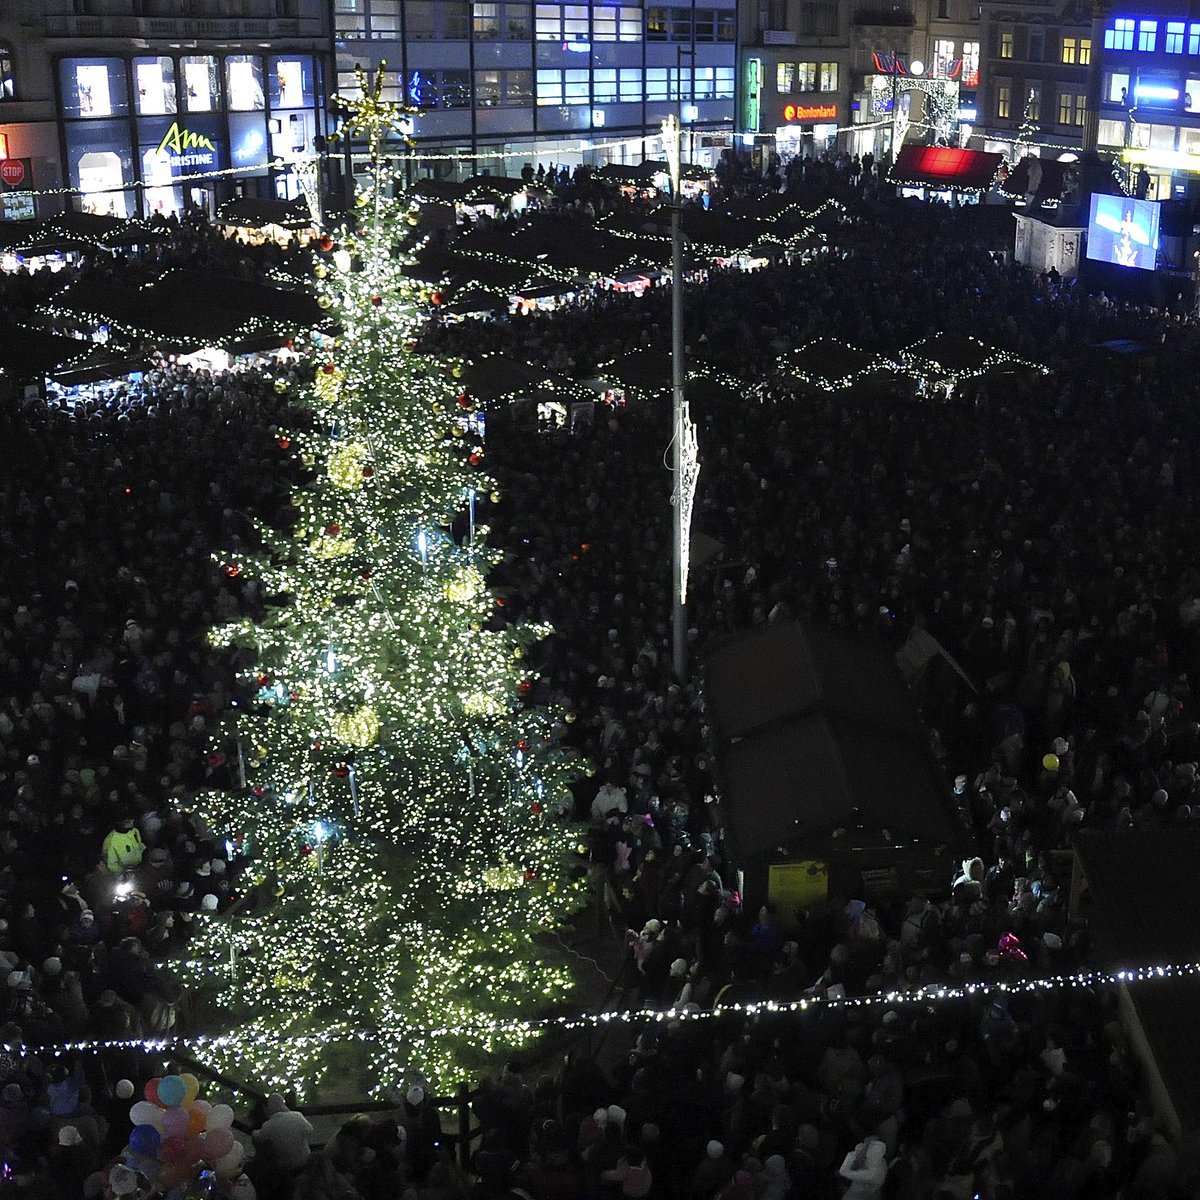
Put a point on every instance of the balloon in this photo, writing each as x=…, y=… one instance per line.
x=171, y=1091
x=191, y=1088
x=221, y=1117
x=121, y=1180
x=200, y=1106
x=146, y=1113
x=196, y=1120
x=1050, y=762
x=145, y=1139
x=230, y=1167
x=176, y=1122
x=216, y=1144
x=173, y=1149
x=150, y=1091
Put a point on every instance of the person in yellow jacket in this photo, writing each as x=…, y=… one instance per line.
x=123, y=847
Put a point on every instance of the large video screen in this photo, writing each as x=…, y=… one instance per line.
x=1123, y=231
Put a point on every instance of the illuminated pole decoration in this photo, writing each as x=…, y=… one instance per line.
x=685, y=469
x=398, y=895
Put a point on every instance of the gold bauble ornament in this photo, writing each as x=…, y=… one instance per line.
x=321, y=271
x=518, y=653
x=495, y=497
x=281, y=386
x=569, y=718
x=346, y=465
x=324, y=301
x=456, y=371
x=359, y=728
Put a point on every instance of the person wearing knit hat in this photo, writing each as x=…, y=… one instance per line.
x=616, y=1115
x=124, y=1089
x=713, y=1172
x=68, y=1135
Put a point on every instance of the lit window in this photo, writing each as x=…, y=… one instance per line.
x=1085, y=51
x=829, y=77
x=1194, y=39
x=1003, y=100
x=616, y=24
x=785, y=77
x=1070, y=50
x=1006, y=45
x=1066, y=107
x=1147, y=35
x=1174, y=39
x=1120, y=36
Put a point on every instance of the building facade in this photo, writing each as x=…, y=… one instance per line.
x=817, y=76
x=507, y=82
x=122, y=104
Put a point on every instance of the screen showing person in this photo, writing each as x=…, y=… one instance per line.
x=1123, y=231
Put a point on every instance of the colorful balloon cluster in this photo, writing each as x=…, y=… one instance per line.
x=175, y=1136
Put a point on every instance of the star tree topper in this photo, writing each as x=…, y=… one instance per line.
x=373, y=117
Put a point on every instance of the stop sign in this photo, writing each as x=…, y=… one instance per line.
x=12, y=171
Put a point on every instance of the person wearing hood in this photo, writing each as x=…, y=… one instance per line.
x=866, y=1169
x=632, y=1173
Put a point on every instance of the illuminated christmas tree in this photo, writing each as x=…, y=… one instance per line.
x=402, y=810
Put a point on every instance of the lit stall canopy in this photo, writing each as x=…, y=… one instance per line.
x=949, y=359
x=543, y=296
x=260, y=220
x=513, y=392
x=944, y=171
x=831, y=365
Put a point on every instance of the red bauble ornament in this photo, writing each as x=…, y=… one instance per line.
x=258, y=790
x=475, y=459
x=289, y=344
x=305, y=850
x=341, y=771
x=435, y=298
x=295, y=697
x=329, y=368
x=216, y=759
x=365, y=573
x=368, y=472
x=530, y=874
x=524, y=687
x=316, y=745
x=263, y=680
x=523, y=744
x=332, y=529
x=232, y=570
x=501, y=602
x=536, y=809
x=585, y=546
x=326, y=243
x=377, y=300
x=284, y=443
x=464, y=400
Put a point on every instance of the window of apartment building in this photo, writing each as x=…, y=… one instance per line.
x=1070, y=108
x=500, y=22
x=713, y=83
x=943, y=58
x=8, y=89
x=970, y=70
x=716, y=25
x=1070, y=50
x=1193, y=45
x=827, y=79
x=629, y=84
x=438, y=89
x=349, y=18
x=561, y=22
x=562, y=87
x=668, y=24
x=503, y=89
x=436, y=20
x=1120, y=36
x=1173, y=42
x=1116, y=87
x=664, y=83
x=785, y=77
x=1147, y=35
x=1191, y=95
x=1110, y=133
x=1037, y=44
x=1006, y=44
x=806, y=77
x=616, y=23
x=943, y=10
x=1033, y=102
x=1003, y=100
x=201, y=82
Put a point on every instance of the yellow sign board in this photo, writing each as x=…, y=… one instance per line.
x=792, y=887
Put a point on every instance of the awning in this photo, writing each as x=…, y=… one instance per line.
x=250, y=212
x=945, y=167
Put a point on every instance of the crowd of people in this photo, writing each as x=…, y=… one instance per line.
x=1037, y=526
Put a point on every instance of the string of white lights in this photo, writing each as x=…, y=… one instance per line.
x=929, y=994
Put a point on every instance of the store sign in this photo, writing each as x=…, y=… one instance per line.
x=800, y=113
x=754, y=76
x=186, y=148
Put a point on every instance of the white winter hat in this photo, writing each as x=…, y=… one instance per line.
x=714, y=1149
x=679, y=967
x=68, y=1135
x=415, y=1094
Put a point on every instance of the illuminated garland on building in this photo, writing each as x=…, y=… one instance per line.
x=402, y=818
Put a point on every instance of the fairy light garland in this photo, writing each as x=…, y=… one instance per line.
x=502, y=1030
